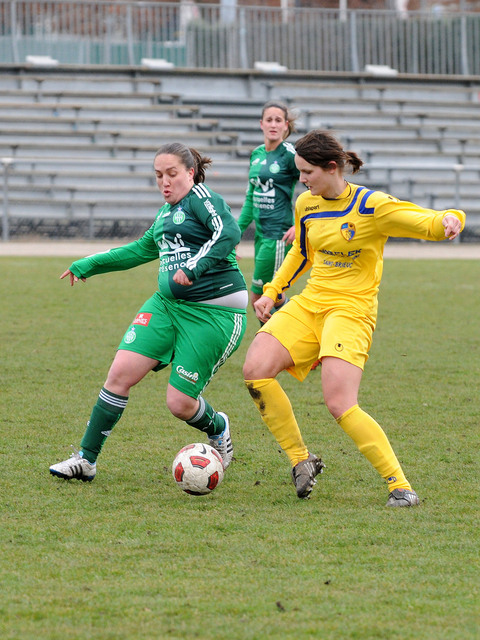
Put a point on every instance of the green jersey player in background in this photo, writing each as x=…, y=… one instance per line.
x=271, y=182
x=195, y=319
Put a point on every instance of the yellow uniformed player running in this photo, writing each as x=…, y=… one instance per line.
x=341, y=230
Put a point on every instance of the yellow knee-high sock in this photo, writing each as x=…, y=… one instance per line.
x=373, y=443
x=277, y=413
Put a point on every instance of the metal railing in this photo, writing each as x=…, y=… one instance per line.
x=123, y=32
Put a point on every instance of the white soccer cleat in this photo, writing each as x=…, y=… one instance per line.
x=402, y=498
x=223, y=442
x=75, y=467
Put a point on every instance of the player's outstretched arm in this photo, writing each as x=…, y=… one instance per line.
x=73, y=277
x=452, y=226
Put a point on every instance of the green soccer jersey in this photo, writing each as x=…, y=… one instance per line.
x=197, y=235
x=268, y=201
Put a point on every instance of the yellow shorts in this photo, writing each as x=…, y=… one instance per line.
x=308, y=335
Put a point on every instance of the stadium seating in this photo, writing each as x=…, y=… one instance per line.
x=82, y=143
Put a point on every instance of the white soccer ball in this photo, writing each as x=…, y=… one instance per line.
x=198, y=469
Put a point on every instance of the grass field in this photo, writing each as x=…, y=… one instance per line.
x=129, y=556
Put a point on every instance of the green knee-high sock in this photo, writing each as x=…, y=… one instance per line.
x=207, y=419
x=105, y=415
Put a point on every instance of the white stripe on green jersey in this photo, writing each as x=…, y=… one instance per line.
x=218, y=226
x=197, y=235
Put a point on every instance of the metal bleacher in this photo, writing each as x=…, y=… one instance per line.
x=77, y=148
x=420, y=139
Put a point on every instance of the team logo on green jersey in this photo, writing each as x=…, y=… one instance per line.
x=179, y=216
x=263, y=190
x=274, y=167
x=130, y=336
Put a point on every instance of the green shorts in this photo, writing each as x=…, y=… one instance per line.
x=269, y=255
x=196, y=339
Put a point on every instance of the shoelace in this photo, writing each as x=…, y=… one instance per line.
x=75, y=452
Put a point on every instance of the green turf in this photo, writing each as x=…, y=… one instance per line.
x=129, y=556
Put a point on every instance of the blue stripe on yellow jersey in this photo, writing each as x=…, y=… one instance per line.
x=342, y=240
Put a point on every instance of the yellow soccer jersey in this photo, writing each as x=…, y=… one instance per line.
x=342, y=241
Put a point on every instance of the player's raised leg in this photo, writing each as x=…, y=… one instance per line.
x=127, y=369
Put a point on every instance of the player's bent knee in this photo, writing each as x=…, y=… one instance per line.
x=256, y=366
x=266, y=358
x=249, y=370
x=180, y=405
x=338, y=405
x=257, y=370
x=119, y=384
